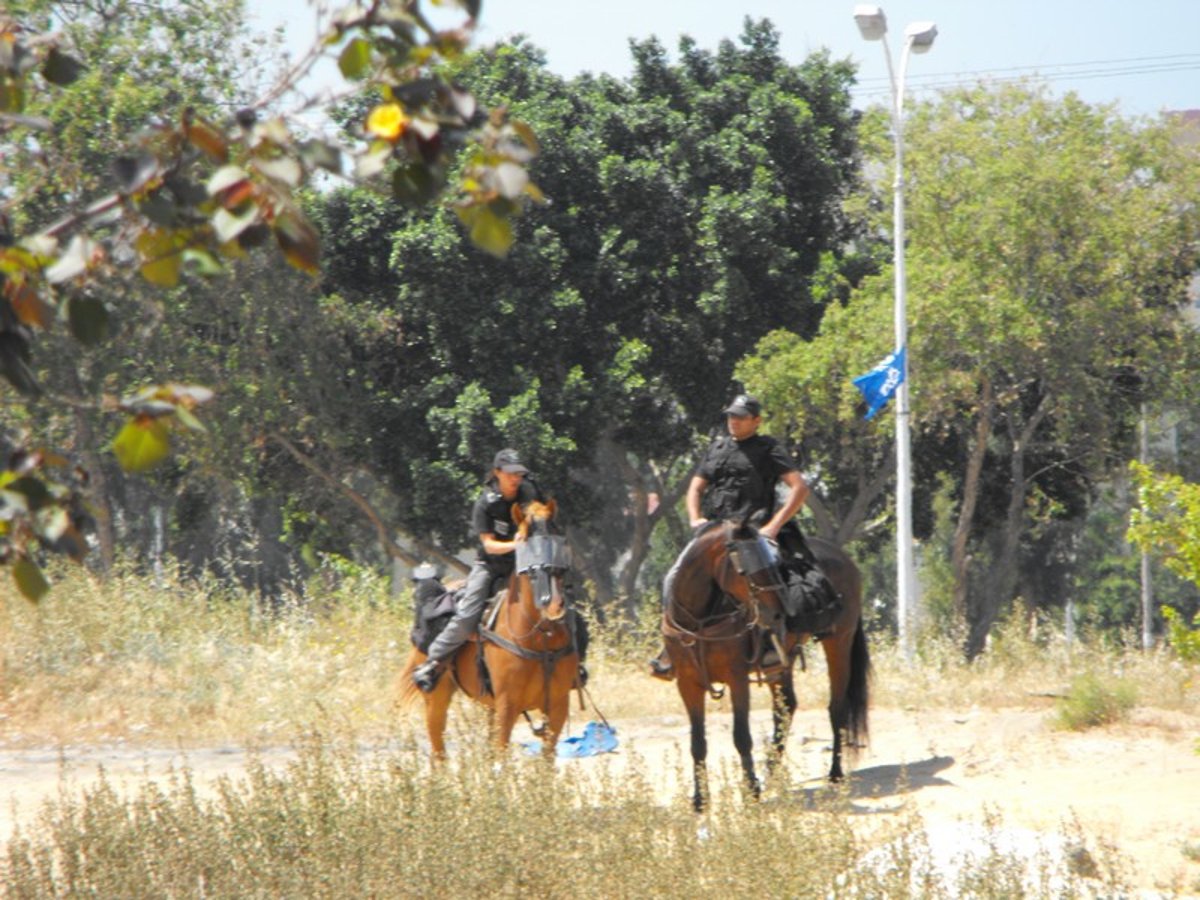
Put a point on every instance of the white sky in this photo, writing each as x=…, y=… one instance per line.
x=1145, y=56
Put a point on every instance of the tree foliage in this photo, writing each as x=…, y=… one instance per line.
x=692, y=207
x=127, y=149
x=1050, y=244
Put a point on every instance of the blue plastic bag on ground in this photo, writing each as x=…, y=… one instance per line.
x=596, y=738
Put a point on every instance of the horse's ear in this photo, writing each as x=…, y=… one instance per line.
x=518, y=514
x=551, y=508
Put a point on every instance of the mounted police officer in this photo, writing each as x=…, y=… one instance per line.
x=492, y=520
x=737, y=480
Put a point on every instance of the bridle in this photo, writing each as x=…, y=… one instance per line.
x=746, y=557
x=543, y=559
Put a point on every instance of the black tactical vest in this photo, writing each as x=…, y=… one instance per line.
x=742, y=478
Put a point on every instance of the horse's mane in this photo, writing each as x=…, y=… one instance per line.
x=537, y=511
x=696, y=545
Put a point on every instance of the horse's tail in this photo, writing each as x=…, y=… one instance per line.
x=859, y=688
x=407, y=691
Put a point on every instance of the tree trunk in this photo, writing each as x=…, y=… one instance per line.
x=959, y=558
x=101, y=501
x=1003, y=580
x=583, y=559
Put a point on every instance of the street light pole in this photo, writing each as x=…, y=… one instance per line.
x=918, y=38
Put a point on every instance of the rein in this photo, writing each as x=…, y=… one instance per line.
x=548, y=658
x=743, y=619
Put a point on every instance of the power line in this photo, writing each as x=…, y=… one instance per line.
x=1081, y=71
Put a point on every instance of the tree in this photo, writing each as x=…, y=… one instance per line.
x=692, y=207
x=193, y=188
x=1051, y=247
x=1050, y=244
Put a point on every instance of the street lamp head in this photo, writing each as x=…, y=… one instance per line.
x=920, y=36
x=872, y=23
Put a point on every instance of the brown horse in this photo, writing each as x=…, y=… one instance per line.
x=713, y=624
x=526, y=642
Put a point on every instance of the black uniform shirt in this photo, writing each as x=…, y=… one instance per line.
x=492, y=514
x=742, y=475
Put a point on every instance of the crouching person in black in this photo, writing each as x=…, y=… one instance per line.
x=737, y=480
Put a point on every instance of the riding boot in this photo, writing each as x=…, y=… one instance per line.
x=426, y=675
x=661, y=666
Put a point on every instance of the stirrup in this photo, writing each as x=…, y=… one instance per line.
x=661, y=667
x=426, y=675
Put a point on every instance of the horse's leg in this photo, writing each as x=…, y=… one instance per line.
x=560, y=708
x=692, y=694
x=506, y=713
x=739, y=695
x=783, y=708
x=837, y=651
x=437, y=706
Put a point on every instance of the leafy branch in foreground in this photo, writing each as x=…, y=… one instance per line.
x=192, y=192
x=1166, y=523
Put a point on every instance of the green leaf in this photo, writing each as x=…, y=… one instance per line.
x=414, y=184
x=163, y=271
x=355, y=59
x=134, y=172
x=202, y=262
x=33, y=490
x=227, y=226
x=74, y=260
x=159, y=207
x=12, y=94
x=61, y=68
x=283, y=169
x=188, y=420
x=142, y=444
x=488, y=231
x=88, y=319
x=323, y=154
x=299, y=242
x=30, y=581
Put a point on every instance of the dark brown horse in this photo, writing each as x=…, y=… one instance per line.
x=713, y=624
x=526, y=642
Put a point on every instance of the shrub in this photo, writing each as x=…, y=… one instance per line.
x=1093, y=700
x=1183, y=640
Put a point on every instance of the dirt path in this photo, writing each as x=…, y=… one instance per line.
x=1134, y=786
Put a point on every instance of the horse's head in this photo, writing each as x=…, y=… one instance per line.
x=735, y=559
x=757, y=562
x=541, y=558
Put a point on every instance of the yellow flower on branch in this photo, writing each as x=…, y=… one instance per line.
x=388, y=121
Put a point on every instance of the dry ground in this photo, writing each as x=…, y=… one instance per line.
x=1135, y=786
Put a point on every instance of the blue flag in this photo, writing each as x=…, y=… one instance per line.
x=880, y=383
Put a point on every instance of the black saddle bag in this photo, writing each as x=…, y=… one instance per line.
x=431, y=618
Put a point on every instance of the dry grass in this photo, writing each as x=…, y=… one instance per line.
x=127, y=660
x=180, y=664
x=338, y=823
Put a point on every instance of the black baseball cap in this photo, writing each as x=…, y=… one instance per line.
x=744, y=405
x=507, y=460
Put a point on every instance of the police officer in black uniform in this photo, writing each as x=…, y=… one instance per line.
x=737, y=480
x=491, y=520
